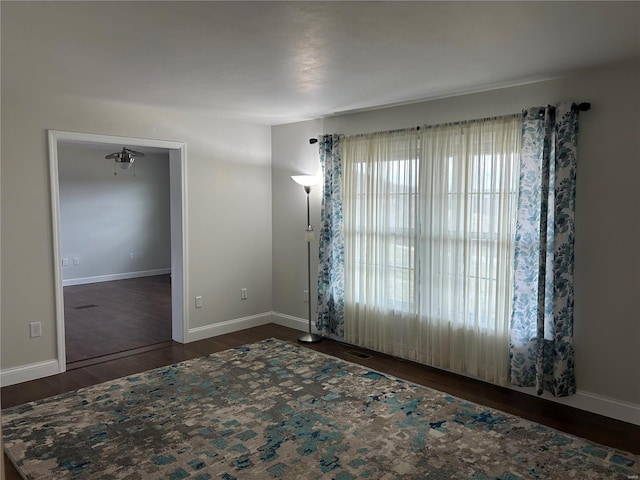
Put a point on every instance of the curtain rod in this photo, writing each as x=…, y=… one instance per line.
x=315, y=140
x=582, y=107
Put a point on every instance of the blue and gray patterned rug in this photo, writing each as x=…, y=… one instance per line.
x=276, y=410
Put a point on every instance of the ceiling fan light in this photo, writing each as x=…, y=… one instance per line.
x=125, y=164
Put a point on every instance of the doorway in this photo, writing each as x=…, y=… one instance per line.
x=177, y=213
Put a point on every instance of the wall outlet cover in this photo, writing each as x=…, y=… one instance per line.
x=35, y=329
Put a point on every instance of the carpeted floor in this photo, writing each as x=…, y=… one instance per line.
x=277, y=410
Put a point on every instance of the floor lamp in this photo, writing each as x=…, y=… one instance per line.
x=307, y=181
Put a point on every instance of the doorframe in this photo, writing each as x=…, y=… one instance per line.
x=179, y=244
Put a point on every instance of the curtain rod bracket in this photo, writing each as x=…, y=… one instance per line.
x=313, y=140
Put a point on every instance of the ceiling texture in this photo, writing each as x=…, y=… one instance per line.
x=280, y=62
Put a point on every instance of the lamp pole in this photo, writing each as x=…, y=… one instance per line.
x=309, y=337
x=309, y=229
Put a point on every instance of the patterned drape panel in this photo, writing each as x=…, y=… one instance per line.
x=541, y=338
x=331, y=241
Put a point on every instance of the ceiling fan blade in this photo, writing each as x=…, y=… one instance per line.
x=134, y=153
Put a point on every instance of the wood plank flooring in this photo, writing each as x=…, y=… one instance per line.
x=597, y=428
x=111, y=317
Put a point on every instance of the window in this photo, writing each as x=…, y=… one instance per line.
x=479, y=192
x=429, y=224
x=381, y=234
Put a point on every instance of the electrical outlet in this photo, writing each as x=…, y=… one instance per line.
x=35, y=329
x=65, y=262
x=141, y=255
x=76, y=261
x=305, y=295
x=243, y=294
x=198, y=301
x=131, y=256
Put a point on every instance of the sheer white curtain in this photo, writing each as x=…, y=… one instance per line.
x=429, y=220
x=380, y=219
x=468, y=204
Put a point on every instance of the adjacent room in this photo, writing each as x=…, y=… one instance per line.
x=448, y=287
x=115, y=243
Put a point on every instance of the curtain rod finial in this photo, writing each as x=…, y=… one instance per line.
x=313, y=140
x=584, y=106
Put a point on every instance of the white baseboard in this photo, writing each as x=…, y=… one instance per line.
x=115, y=276
x=215, y=329
x=594, y=403
x=25, y=373
x=609, y=407
x=290, y=321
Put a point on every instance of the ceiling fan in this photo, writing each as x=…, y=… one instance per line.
x=124, y=158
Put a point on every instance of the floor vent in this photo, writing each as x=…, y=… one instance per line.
x=82, y=307
x=355, y=353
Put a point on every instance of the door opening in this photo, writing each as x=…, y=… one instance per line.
x=177, y=212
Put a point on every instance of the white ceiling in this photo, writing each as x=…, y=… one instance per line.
x=279, y=62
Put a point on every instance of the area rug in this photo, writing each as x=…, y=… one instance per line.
x=277, y=410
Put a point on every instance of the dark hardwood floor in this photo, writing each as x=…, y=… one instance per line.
x=107, y=318
x=597, y=428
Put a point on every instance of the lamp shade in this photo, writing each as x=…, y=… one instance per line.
x=305, y=180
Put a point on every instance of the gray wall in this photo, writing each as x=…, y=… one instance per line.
x=228, y=198
x=106, y=217
x=293, y=155
x=228, y=210
x=607, y=282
